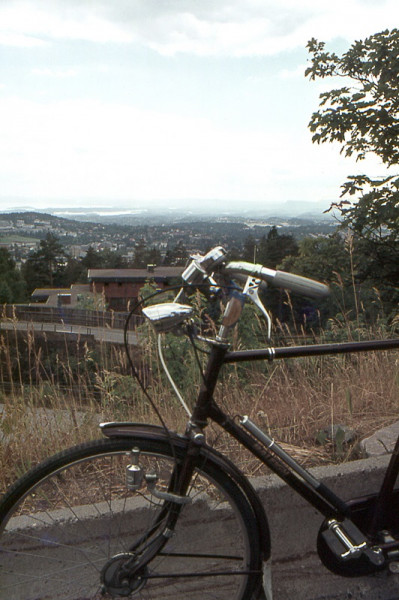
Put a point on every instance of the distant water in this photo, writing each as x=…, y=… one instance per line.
x=105, y=213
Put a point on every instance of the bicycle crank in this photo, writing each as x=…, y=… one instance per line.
x=116, y=579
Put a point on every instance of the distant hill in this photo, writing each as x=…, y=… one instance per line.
x=162, y=213
x=122, y=232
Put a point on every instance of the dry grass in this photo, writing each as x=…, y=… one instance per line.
x=50, y=405
x=298, y=399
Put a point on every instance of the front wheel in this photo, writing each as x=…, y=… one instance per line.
x=71, y=526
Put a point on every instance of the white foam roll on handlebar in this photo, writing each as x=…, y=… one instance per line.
x=288, y=281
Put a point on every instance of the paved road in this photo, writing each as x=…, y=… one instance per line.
x=103, y=334
x=298, y=573
x=305, y=578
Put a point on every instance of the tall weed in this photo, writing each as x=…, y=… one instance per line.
x=55, y=391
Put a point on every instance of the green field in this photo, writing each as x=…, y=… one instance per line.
x=12, y=239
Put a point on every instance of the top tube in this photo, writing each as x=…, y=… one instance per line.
x=311, y=350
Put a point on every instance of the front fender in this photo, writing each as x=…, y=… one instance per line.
x=128, y=428
x=145, y=430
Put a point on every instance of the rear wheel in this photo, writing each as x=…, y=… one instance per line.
x=71, y=529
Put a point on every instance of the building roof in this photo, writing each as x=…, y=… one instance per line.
x=134, y=275
x=75, y=287
x=49, y=291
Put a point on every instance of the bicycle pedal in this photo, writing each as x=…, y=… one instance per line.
x=347, y=542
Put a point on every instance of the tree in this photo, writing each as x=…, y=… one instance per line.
x=140, y=255
x=341, y=263
x=109, y=259
x=44, y=266
x=144, y=256
x=73, y=272
x=92, y=259
x=274, y=247
x=321, y=258
x=249, y=249
x=12, y=285
x=153, y=256
x=178, y=255
x=363, y=117
x=102, y=259
x=90, y=301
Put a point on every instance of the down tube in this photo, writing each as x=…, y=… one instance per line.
x=319, y=495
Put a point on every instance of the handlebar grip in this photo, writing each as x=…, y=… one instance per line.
x=289, y=281
x=300, y=285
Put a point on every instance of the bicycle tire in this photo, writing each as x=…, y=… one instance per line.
x=65, y=523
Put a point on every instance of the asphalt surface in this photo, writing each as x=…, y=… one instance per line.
x=103, y=334
x=305, y=578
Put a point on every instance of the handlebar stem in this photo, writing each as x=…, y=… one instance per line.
x=231, y=315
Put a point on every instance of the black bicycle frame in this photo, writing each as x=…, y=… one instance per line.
x=266, y=449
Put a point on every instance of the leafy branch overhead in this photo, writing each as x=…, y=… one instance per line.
x=363, y=116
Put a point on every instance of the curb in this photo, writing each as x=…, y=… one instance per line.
x=297, y=571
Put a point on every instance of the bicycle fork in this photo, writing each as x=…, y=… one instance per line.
x=127, y=572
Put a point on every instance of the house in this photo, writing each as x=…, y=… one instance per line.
x=121, y=287
x=60, y=296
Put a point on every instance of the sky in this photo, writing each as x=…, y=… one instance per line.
x=175, y=103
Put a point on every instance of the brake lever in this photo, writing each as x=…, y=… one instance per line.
x=251, y=291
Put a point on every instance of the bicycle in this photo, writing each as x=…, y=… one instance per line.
x=147, y=512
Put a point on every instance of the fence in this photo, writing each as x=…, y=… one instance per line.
x=69, y=316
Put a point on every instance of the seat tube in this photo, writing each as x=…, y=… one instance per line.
x=384, y=498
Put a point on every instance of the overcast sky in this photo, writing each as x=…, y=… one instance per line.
x=121, y=102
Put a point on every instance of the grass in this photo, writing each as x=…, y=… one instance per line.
x=13, y=238
x=57, y=390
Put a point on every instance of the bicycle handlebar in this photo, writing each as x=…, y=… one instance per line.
x=289, y=281
x=200, y=274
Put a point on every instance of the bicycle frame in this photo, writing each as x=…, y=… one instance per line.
x=352, y=529
x=267, y=450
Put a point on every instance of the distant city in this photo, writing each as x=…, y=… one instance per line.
x=121, y=230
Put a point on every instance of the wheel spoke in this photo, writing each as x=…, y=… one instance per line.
x=75, y=524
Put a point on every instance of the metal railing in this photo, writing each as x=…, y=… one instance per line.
x=69, y=316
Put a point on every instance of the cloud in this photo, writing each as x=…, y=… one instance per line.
x=295, y=73
x=87, y=148
x=111, y=150
x=59, y=73
x=204, y=28
x=28, y=23
x=13, y=38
